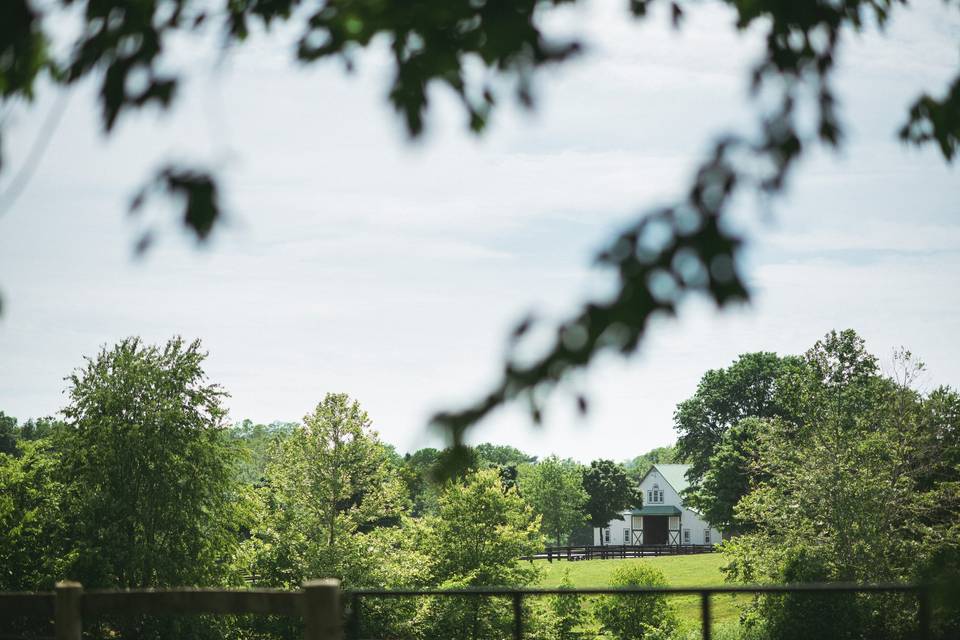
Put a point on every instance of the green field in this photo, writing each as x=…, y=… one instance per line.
x=702, y=570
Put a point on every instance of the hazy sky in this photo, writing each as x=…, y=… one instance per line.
x=356, y=261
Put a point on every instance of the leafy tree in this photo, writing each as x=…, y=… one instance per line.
x=732, y=473
x=425, y=470
x=609, y=490
x=554, y=488
x=417, y=474
x=457, y=461
x=8, y=434
x=501, y=455
x=149, y=468
x=41, y=428
x=33, y=543
x=256, y=440
x=11, y=432
x=327, y=485
x=747, y=388
x=685, y=246
x=476, y=539
x=480, y=532
x=639, y=466
x=635, y=616
x=848, y=494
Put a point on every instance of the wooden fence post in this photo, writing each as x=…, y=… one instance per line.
x=67, y=610
x=322, y=616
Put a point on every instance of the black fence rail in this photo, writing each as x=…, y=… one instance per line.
x=517, y=596
x=320, y=603
x=614, y=551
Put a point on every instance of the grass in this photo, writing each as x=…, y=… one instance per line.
x=701, y=570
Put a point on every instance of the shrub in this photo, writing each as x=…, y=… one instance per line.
x=639, y=616
x=567, y=610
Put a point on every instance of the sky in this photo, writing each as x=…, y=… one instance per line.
x=357, y=261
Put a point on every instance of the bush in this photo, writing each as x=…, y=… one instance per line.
x=567, y=610
x=629, y=616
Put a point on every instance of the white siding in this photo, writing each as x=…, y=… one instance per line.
x=688, y=519
x=616, y=531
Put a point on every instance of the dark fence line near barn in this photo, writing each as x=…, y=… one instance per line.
x=325, y=618
x=614, y=551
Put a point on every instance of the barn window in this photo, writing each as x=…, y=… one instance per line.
x=606, y=535
x=686, y=536
x=626, y=536
x=706, y=536
x=655, y=495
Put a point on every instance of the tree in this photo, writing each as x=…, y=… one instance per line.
x=149, y=467
x=256, y=440
x=11, y=433
x=609, y=490
x=41, y=428
x=327, y=485
x=481, y=531
x=732, y=472
x=630, y=617
x=434, y=43
x=33, y=543
x=8, y=434
x=554, y=488
x=506, y=459
x=747, y=388
x=417, y=473
x=638, y=466
x=477, y=538
x=847, y=495
x=501, y=455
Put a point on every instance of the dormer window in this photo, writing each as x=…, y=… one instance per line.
x=655, y=495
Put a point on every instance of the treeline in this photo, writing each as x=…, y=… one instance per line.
x=821, y=466
x=142, y=482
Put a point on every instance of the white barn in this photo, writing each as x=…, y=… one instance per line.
x=663, y=519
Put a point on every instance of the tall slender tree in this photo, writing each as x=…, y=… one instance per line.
x=328, y=483
x=554, y=488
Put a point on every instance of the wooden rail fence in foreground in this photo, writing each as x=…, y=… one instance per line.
x=319, y=602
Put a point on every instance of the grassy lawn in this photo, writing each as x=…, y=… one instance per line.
x=702, y=570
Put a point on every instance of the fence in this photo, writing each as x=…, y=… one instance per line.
x=611, y=551
x=319, y=602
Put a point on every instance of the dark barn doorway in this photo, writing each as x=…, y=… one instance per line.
x=655, y=529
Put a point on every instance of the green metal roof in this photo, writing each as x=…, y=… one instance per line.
x=657, y=510
x=675, y=474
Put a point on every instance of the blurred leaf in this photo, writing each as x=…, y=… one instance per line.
x=196, y=189
x=676, y=15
